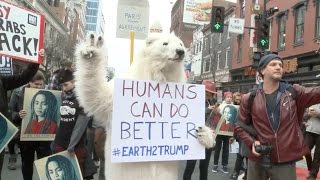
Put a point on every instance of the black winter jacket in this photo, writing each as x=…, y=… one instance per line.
x=11, y=82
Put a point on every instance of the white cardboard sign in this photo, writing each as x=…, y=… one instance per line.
x=132, y=15
x=156, y=121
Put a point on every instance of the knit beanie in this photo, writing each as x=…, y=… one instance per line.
x=65, y=75
x=264, y=61
x=228, y=93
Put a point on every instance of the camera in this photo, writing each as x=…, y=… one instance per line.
x=265, y=151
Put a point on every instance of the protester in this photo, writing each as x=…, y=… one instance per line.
x=28, y=148
x=11, y=82
x=71, y=134
x=222, y=141
x=54, y=83
x=276, y=116
x=204, y=163
x=312, y=136
x=243, y=151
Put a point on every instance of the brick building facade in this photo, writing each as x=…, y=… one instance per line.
x=294, y=33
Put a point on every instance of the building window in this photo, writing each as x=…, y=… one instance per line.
x=243, y=8
x=240, y=44
x=227, y=57
x=206, y=65
x=93, y=5
x=205, y=44
x=200, y=46
x=218, y=60
x=228, y=33
x=49, y=2
x=299, y=12
x=318, y=20
x=56, y=3
x=282, y=32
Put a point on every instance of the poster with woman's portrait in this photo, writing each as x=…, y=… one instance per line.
x=43, y=115
x=224, y=122
x=7, y=131
x=58, y=166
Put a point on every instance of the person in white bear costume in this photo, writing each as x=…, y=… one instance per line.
x=160, y=60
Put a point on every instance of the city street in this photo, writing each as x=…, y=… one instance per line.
x=17, y=175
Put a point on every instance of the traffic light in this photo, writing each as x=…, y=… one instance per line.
x=256, y=58
x=263, y=35
x=217, y=19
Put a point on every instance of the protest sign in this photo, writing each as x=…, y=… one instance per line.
x=43, y=114
x=132, y=16
x=21, y=33
x=6, y=68
x=58, y=166
x=7, y=132
x=234, y=147
x=224, y=121
x=155, y=121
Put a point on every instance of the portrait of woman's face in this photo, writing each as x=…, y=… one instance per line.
x=55, y=172
x=227, y=113
x=40, y=105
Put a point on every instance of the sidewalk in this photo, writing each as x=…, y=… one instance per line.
x=302, y=170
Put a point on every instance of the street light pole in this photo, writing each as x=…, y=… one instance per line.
x=264, y=16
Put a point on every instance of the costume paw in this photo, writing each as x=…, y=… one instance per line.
x=91, y=46
x=206, y=136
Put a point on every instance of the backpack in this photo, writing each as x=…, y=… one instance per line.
x=248, y=127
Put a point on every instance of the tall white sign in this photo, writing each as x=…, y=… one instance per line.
x=154, y=121
x=133, y=15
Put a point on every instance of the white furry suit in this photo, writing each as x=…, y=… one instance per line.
x=160, y=60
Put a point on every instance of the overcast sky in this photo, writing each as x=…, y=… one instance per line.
x=119, y=49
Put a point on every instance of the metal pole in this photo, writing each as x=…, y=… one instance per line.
x=264, y=17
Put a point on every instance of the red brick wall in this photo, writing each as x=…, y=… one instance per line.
x=246, y=59
x=309, y=29
x=177, y=24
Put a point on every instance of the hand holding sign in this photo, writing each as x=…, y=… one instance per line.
x=42, y=53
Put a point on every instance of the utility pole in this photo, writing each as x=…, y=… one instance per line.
x=264, y=15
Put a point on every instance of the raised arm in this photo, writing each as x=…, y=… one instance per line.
x=93, y=91
x=15, y=81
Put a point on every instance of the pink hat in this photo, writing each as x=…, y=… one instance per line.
x=227, y=94
x=210, y=86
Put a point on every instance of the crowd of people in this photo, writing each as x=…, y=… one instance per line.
x=70, y=131
x=275, y=124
